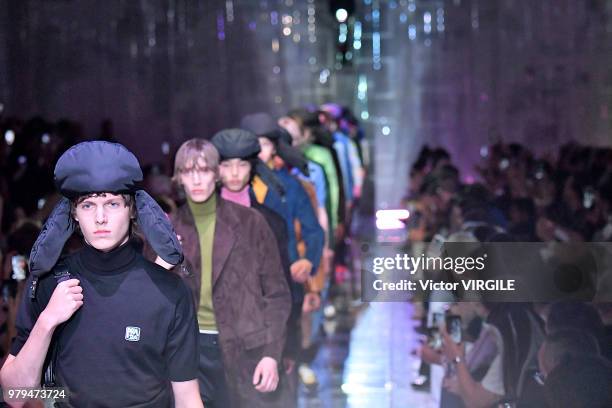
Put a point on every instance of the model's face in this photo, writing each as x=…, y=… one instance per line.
x=267, y=149
x=293, y=127
x=104, y=221
x=235, y=174
x=198, y=181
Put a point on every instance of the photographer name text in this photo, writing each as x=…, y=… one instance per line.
x=501, y=285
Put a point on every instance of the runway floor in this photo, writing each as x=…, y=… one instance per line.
x=367, y=360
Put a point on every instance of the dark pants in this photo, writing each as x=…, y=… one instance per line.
x=211, y=373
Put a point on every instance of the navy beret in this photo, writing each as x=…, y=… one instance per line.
x=278, y=135
x=95, y=167
x=236, y=144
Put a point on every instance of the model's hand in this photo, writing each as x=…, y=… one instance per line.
x=339, y=233
x=66, y=299
x=288, y=364
x=312, y=302
x=265, y=378
x=300, y=270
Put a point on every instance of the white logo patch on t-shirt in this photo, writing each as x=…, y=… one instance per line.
x=132, y=333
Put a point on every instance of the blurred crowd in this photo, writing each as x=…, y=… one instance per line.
x=483, y=353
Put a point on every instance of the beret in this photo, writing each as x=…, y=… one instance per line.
x=242, y=144
x=236, y=144
x=278, y=134
x=95, y=167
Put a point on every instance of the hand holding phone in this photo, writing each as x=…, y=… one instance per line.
x=453, y=348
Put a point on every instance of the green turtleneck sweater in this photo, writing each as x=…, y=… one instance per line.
x=204, y=215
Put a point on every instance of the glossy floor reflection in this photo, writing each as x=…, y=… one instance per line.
x=368, y=362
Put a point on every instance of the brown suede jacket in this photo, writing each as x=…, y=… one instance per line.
x=251, y=298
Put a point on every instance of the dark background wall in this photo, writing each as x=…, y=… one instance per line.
x=453, y=73
x=163, y=70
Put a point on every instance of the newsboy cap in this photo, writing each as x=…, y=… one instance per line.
x=278, y=135
x=94, y=167
x=242, y=144
x=236, y=144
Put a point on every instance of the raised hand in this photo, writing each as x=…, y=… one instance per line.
x=66, y=299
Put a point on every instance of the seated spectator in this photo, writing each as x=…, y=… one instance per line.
x=474, y=372
x=522, y=219
x=575, y=315
x=580, y=382
x=564, y=344
x=523, y=333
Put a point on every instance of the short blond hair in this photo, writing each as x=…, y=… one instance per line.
x=188, y=154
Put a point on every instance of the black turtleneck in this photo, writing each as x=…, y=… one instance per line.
x=113, y=262
x=135, y=332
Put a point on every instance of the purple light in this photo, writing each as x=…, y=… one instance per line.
x=391, y=219
x=220, y=27
x=389, y=224
x=252, y=26
x=400, y=214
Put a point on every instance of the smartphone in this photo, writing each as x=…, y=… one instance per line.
x=18, y=263
x=453, y=327
x=437, y=320
x=561, y=235
x=9, y=290
x=588, y=197
x=435, y=338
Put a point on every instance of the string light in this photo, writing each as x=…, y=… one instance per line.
x=412, y=32
x=357, y=35
x=376, y=59
x=229, y=10
x=311, y=21
x=220, y=27
x=343, y=33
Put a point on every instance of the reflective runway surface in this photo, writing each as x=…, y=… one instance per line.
x=371, y=365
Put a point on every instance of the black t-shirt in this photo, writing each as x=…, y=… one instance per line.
x=135, y=333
